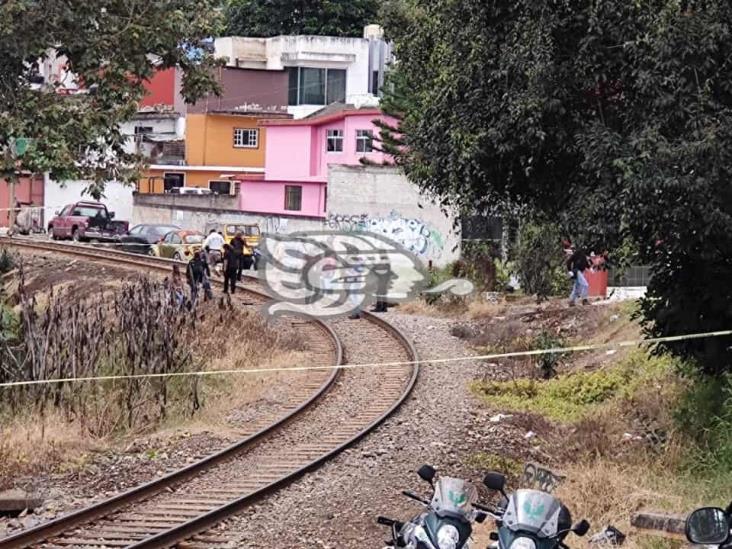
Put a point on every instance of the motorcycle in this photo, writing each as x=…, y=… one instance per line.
x=710, y=526
x=447, y=522
x=530, y=519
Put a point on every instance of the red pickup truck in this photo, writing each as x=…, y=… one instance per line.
x=90, y=221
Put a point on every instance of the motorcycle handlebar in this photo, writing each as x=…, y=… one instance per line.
x=385, y=521
x=415, y=497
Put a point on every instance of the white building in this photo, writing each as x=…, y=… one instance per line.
x=321, y=69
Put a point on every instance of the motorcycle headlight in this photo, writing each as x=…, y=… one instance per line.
x=523, y=543
x=448, y=537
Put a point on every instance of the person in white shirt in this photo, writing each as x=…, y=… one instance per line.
x=214, y=245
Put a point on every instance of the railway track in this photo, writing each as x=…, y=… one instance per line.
x=186, y=505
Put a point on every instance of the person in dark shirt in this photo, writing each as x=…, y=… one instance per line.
x=237, y=246
x=577, y=264
x=196, y=273
x=231, y=266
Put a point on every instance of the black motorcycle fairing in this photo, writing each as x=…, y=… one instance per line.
x=433, y=522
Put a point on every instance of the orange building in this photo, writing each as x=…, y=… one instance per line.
x=218, y=147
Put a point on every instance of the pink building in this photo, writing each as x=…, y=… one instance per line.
x=298, y=155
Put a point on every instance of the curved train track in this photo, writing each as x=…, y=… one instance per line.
x=186, y=504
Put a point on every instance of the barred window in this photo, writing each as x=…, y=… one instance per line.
x=246, y=138
x=293, y=197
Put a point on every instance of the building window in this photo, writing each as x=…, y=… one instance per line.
x=310, y=86
x=220, y=187
x=246, y=138
x=293, y=198
x=173, y=181
x=364, y=141
x=335, y=141
x=374, y=82
x=143, y=130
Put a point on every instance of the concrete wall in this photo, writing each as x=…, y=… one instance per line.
x=381, y=199
x=203, y=213
x=118, y=197
x=160, y=89
x=28, y=191
x=247, y=90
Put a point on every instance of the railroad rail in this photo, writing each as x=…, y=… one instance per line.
x=186, y=504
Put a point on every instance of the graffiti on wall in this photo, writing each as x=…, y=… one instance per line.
x=412, y=233
x=273, y=224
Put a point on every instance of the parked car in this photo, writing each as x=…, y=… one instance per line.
x=251, y=234
x=90, y=221
x=141, y=239
x=190, y=190
x=180, y=245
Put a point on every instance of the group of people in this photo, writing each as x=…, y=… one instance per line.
x=215, y=252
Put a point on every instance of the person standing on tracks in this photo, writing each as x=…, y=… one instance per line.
x=214, y=244
x=231, y=267
x=196, y=274
x=237, y=246
x=176, y=287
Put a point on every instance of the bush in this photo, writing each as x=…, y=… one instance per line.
x=547, y=363
x=704, y=416
x=539, y=260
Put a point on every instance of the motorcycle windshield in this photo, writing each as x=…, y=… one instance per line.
x=453, y=497
x=533, y=512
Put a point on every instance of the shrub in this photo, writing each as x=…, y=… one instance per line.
x=539, y=260
x=704, y=416
x=548, y=362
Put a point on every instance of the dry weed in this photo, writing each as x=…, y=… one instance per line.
x=33, y=445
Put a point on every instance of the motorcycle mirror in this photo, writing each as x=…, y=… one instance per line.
x=427, y=473
x=581, y=528
x=708, y=526
x=495, y=481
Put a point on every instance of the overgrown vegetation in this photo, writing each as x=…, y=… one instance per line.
x=575, y=396
x=612, y=118
x=137, y=330
x=539, y=260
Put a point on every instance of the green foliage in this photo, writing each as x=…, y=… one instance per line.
x=504, y=271
x=704, y=416
x=547, y=363
x=613, y=117
x=319, y=17
x=574, y=396
x=486, y=461
x=478, y=265
x=111, y=47
x=539, y=259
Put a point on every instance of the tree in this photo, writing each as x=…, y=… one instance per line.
x=614, y=118
x=111, y=47
x=318, y=17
